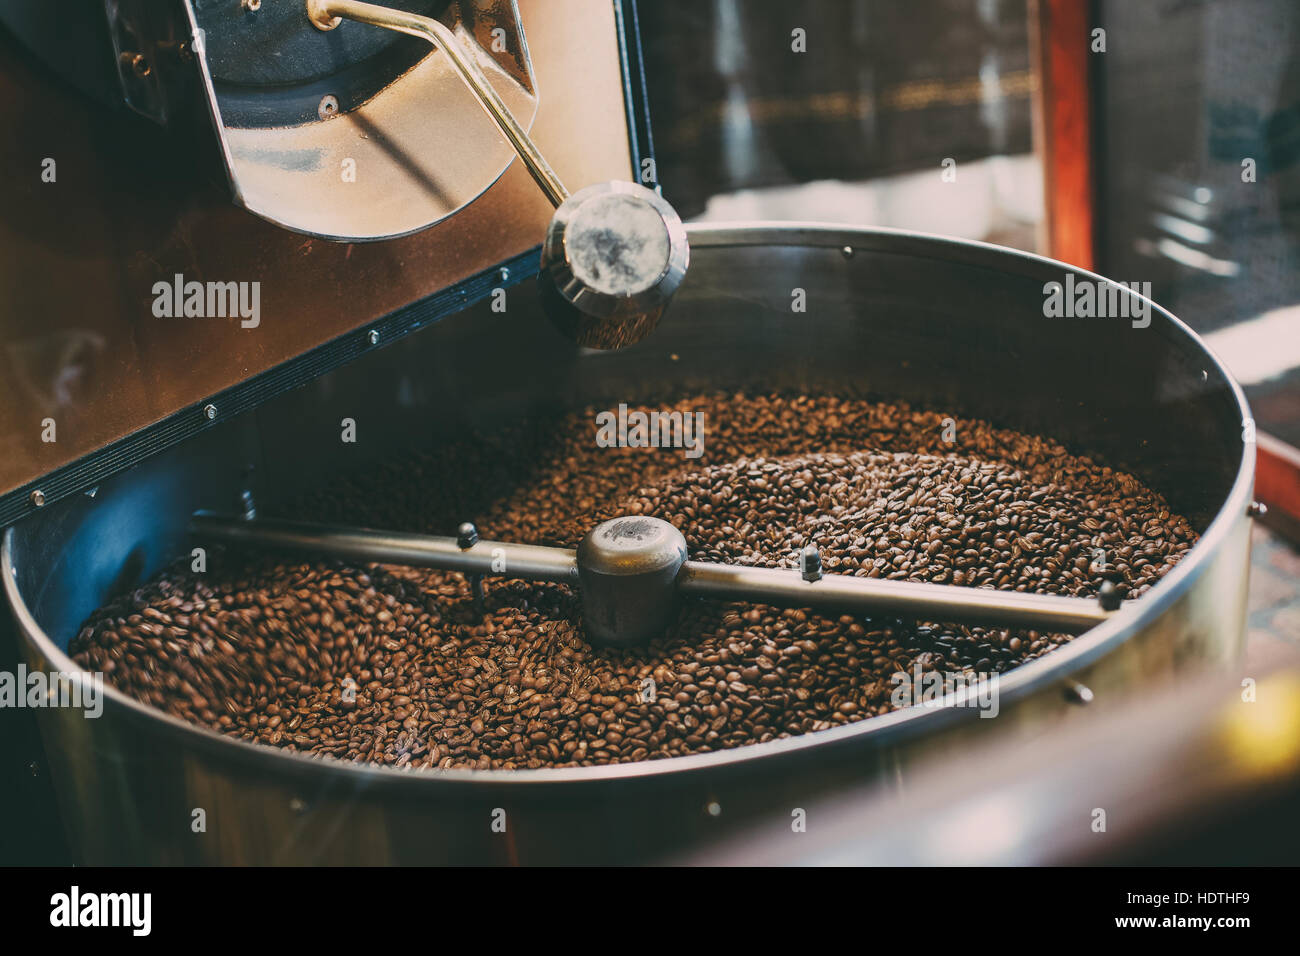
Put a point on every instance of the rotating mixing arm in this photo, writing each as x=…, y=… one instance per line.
x=630, y=571
x=614, y=253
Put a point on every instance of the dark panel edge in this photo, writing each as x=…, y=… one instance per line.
x=89, y=470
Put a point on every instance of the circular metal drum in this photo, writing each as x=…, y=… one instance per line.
x=945, y=325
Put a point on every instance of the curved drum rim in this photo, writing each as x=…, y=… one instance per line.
x=883, y=730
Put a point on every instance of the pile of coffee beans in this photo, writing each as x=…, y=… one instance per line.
x=398, y=665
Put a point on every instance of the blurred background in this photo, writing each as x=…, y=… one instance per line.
x=1167, y=151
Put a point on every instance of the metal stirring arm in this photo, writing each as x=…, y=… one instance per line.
x=911, y=599
x=527, y=561
x=630, y=571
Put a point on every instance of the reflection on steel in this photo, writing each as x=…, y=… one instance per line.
x=408, y=157
x=1095, y=793
x=392, y=547
x=616, y=624
x=325, y=14
x=615, y=254
x=67, y=342
x=939, y=602
x=730, y=328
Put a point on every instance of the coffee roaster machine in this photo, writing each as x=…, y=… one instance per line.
x=337, y=159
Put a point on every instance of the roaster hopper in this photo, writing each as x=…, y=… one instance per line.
x=192, y=416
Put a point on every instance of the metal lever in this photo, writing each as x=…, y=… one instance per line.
x=327, y=14
x=614, y=253
x=630, y=571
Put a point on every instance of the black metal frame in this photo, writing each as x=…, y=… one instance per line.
x=635, y=98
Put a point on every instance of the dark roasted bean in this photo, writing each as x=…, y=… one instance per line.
x=395, y=665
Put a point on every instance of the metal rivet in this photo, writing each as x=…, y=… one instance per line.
x=714, y=809
x=298, y=805
x=139, y=65
x=1109, y=597
x=847, y=252
x=37, y=498
x=252, y=6
x=209, y=412
x=504, y=274
x=466, y=536
x=810, y=563
x=1257, y=509
x=373, y=336
x=329, y=106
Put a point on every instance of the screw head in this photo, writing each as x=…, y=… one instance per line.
x=329, y=106
x=373, y=336
x=810, y=563
x=210, y=411
x=252, y=6
x=466, y=535
x=847, y=252
x=1257, y=509
x=37, y=498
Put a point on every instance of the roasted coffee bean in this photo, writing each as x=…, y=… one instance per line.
x=396, y=665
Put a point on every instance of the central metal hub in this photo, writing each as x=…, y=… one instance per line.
x=613, y=257
x=617, y=245
x=627, y=569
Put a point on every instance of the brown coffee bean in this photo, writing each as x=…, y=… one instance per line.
x=395, y=665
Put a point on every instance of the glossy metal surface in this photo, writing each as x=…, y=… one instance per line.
x=132, y=206
x=412, y=155
x=390, y=547
x=463, y=56
x=631, y=571
x=1207, y=763
x=928, y=320
x=627, y=574
x=614, y=255
x=942, y=602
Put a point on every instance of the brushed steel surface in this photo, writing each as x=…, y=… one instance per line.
x=131, y=206
x=785, y=587
x=421, y=150
x=613, y=257
x=425, y=138
x=390, y=547
x=929, y=320
x=633, y=568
